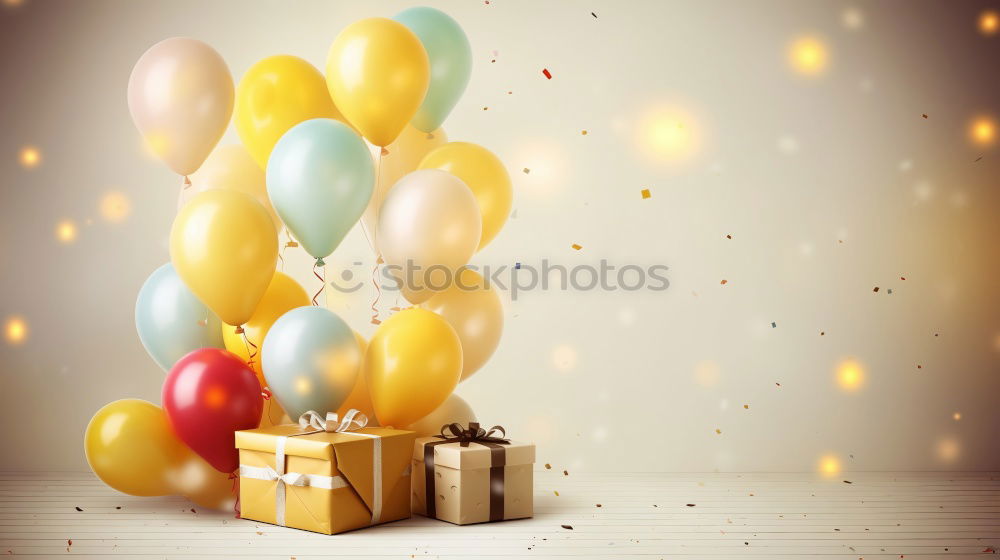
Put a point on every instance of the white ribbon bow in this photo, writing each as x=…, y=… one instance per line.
x=353, y=420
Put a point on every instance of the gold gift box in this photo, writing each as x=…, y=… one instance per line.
x=473, y=484
x=327, y=482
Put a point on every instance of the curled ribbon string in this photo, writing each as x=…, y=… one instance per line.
x=322, y=279
x=378, y=261
x=354, y=419
x=246, y=342
x=236, y=491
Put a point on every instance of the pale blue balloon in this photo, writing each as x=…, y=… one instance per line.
x=172, y=321
x=320, y=177
x=311, y=360
x=451, y=63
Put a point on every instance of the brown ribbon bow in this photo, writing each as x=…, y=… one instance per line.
x=465, y=436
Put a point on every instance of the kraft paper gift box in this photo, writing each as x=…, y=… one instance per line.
x=472, y=477
x=318, y=478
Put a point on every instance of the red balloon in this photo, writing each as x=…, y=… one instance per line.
x=208, y=395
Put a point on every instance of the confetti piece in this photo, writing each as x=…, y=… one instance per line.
x=645, y=193
x=718, y=431
x=546, y=73
x=848, y=482
x=486, y=108
x=724, y=282
x=583, y=132
x=292, y=244
x=924, y=115
x=902, y=277
x=777, y=384
x=193, y=511
x=598, y=505
x=69, y=542
x=689, y=505
x=577, y=247
x=118, y=507
x=977, y=159
x=728, y=236
x=78, y=508
x=774, y=325
x=517, y=266
x=746, y=407
x=570, y=527
x=548, y=466
x=526, y=170
x=556, y=492
x=920, y=366
x=565, y=473
x=889, y=291
x=875, y=290
x=593, y=14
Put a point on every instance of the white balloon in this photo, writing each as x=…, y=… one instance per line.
x=429, y=221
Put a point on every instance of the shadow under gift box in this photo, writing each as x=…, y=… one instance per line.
x=473, y=484
x=329, y=479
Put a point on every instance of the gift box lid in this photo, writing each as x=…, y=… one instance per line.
x=475, y=456
x=351, y=453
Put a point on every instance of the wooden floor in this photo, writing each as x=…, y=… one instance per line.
x=875, y=515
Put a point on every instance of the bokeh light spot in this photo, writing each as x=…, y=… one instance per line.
x=16, y=330
x=989, y=22
x=30, y=157
x=829, y=466
x=66, y=231
x=957, y=416
x=982, y=131
x=115, y=207
x=707, y=373
x=948, y=449
x=669, y=135
x=808, y=56
x=850, y=375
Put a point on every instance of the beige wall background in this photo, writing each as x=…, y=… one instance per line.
x=829, y=185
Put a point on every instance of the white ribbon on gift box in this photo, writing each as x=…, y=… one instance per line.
x=353, y=420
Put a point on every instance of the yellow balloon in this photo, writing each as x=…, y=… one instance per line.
x=231, y=167
x=484, y=174
x=283, y=294
x=224, y=246
x=404, y=155
x=472, y=307
x=359, y=398
x=199, y=482
x=377, y=72
x=413, y=363
x=131, y=447
x=455, y=409
x=274, y=95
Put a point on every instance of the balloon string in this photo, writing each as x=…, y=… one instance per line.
x=322, y=279
x=180, y=194
x=236, y=492
x=246, y=342
x=378, y=259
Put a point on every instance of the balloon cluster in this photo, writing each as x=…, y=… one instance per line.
x=238, y=339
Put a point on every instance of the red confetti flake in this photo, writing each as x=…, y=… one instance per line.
x=876, y=289
x=546, y=73
x=920, y=366
x=902, y=277
x=924, y=115
x=69, y=542
x=729, y=236
x=724, y=282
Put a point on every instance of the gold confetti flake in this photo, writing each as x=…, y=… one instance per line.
x=645, y=193
x=718, y=431
x=583, y=133
x=577, y=247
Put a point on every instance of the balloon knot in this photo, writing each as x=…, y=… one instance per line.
x=187, y=181
x=320, y=262
x=385, y=151
x=239, y=329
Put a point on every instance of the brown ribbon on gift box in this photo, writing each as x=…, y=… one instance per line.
x=465, y=436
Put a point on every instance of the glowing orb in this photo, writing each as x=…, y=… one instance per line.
x=668, y=135
x=948, y=449
x=115, y=207
x=850, y=375
x=983, y=131
x=829, y=465
x=66, y=231
x=989, y=22
x=29, y=157
x=16, y=330
x=564, y=357
x=808, y=56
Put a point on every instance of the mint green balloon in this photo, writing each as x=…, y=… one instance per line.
x=172, y=321
x=320, y=177
x=451, y=63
